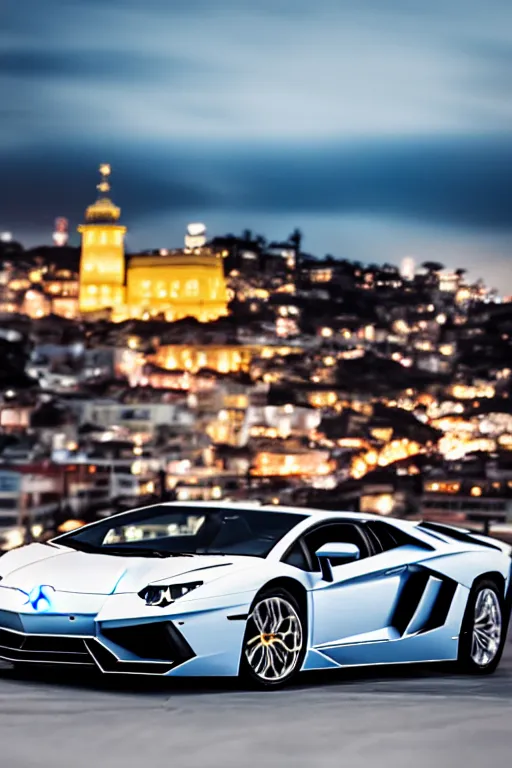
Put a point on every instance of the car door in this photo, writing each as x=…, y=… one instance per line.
x=357, y=607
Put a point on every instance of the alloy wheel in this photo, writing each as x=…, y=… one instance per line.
x=487, y=628
x=274, y=649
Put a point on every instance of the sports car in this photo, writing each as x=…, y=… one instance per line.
x=260, y=592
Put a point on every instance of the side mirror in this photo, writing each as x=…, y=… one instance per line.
x=336, y=550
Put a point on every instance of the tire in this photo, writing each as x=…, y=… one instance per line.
x=275, y=640
x=484, y=629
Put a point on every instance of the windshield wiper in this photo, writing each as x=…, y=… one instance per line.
x=208, y=551
x=82, y=546
x=142, y=551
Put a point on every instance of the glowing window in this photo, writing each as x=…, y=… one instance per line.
x=213, y=285
x=145, y=288
x=192, y=288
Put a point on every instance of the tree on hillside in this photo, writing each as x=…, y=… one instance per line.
x=295, y=239
x=433, y=266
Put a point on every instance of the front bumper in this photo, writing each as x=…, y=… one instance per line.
x=160, y=638
x=17, y=646
x=118, y=636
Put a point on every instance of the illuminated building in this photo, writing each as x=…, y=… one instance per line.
x=455, y=446
x=60, y=234
x=195, y=237
x=449, y=282
x=32, y=491
x=62, y=288
x=321, y=275
x=479, y=389
x=377, y=504
x=458, y=505
x=227, y=427
x=183, y=283
x=139, y=419
x=408, y=268
x=442, y=486
x=18, y=284
x=35, y=303
x=389, y=453
x=289, y=463
x=322, y=399
x=102, y=264
x=286, y=327
x=178, y=285
x=223, y=358
x=15, y=418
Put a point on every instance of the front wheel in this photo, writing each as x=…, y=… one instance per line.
x=275, y=640
x=483, y=630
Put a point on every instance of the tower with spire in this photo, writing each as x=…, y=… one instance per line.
x=102, y=262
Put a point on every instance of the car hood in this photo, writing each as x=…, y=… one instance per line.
x=72, y=571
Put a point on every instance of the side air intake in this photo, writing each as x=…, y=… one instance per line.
x=409, y=599
x=424, y=602
x=160, y=641
x=441, y=606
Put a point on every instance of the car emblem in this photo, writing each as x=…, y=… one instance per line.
x=40, y=598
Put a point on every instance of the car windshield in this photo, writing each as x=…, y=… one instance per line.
x=173, y=530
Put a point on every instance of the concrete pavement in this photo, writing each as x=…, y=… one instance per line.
x=407, y=717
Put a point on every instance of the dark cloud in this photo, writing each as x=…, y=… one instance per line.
x=97, y=66
x=454, y=182
x=41, y=185
x=146, y=84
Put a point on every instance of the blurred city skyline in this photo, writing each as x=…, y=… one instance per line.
x=382, y=130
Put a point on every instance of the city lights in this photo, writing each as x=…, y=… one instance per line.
x=210, y=373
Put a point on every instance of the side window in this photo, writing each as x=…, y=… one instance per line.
x=297, y=557
x=331, y=533
x=384, y=536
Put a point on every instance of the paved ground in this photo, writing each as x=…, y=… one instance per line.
x=410, y=717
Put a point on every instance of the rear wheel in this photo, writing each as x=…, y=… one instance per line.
x=483, y=629
x=275, y=640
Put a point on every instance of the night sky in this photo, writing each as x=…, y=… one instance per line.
x=382, y=128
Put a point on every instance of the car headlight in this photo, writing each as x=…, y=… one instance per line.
x=166, y=594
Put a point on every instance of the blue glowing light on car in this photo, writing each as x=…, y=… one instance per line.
x=40, y=598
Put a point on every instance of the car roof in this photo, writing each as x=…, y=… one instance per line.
x=308, y=511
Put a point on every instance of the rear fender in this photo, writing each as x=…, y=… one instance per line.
x=465, y=567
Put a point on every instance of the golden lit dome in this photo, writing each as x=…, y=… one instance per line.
x=103, y=211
